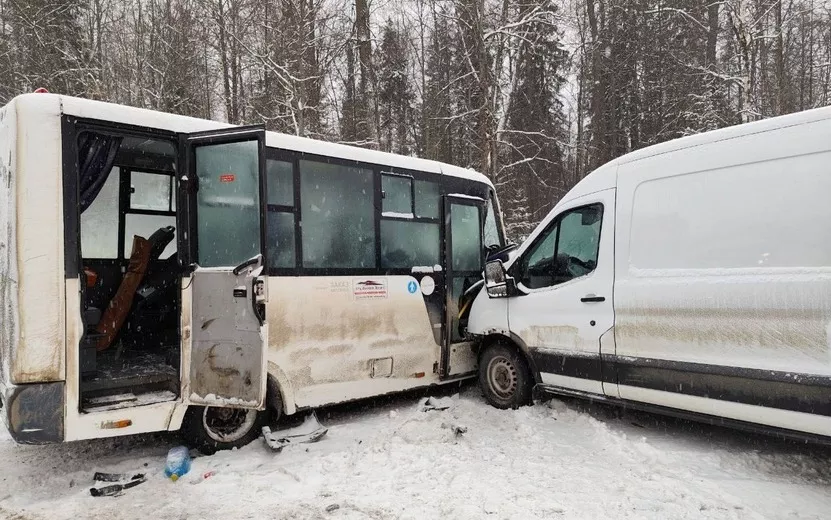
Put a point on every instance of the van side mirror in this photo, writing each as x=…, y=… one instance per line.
x=501, y=253
x=497, y=282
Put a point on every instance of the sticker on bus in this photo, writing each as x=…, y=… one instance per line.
x=428, y=285
x=339, y=286
x=369, y=289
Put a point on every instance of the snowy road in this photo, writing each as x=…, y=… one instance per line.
x=554, y=460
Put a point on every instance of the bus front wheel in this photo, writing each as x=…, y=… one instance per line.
x=504, y=377
x=211, y=428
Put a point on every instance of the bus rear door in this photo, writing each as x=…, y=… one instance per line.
x=224, y=334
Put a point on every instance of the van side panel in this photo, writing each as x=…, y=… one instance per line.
x=723, y=275
x=8, y=240
x=39, y=356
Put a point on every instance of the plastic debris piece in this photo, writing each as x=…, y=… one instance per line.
x=310, y=431
x=114, y=477
x=457, y=429
x=432, y=403
x=115, y=489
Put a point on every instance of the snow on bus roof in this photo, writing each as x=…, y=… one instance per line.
x=104, y=111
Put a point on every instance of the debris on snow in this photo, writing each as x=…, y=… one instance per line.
x=417, y=469
x=431, y=403
x=332, y=507
x=457, y=429
x=123, y=481
x=310, y=431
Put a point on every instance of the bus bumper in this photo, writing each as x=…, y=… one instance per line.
x=33, y=413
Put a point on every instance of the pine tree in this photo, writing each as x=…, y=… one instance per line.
x=439, y=129
x=395, y=94
x=535, y=170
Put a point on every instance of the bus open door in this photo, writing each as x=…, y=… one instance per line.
x=224, y=290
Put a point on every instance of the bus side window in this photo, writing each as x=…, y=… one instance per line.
x=338, y=215
x=410, y=231
x=281, y=214
x=150, y=192
x=407, y=244
x=99, y=223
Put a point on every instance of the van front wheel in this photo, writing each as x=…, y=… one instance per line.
x=211, y=428
x=504, y=377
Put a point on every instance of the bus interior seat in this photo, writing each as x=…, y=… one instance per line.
x=146, y=306
x=154, y=319
x=116, y=312
x=159, y=241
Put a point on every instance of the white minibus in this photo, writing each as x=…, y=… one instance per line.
x=160, y=272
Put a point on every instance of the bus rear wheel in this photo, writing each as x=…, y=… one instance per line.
x=504, y=377
x=211, y=428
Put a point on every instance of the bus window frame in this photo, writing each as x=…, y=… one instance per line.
x=71, y=128
x=447, y=185
x=124, y=209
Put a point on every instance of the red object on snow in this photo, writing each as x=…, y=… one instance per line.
x=41, y=90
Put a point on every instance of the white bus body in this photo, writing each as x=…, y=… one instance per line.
x=358, y=261
x=691, y=277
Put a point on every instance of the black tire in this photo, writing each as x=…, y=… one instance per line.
x=274, y=400
x=211, y=429
x=504, y=377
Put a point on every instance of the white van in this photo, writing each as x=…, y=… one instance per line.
x=691, y=277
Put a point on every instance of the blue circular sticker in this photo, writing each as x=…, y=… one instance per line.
x=412, y=287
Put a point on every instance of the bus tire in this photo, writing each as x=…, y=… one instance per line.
x=274, y=400
x=504, y=377
x=211, y=429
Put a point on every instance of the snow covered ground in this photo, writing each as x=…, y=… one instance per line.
x=389, y=460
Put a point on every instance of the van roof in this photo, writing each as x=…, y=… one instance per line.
x=86, y=108
x=730, y=132
x=605, y=176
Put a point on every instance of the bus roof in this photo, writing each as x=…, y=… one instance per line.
x=111, y=112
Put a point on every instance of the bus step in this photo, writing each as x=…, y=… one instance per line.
x=126, y=400
x=105, y=400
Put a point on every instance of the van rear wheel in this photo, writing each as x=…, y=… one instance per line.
x=211, y=428
x=504, y=377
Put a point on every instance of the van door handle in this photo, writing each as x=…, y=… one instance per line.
x=590, y=298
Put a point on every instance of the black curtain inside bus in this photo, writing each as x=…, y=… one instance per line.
x=96, y=155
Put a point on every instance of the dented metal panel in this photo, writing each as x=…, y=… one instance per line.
x=327, y=334
x=227, y=363
x=38, y=355
x=9, y=322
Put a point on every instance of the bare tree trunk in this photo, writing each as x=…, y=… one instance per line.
x=223, y=57
x=712, y=33
x=598, y=109
x=367, y=101
x=781, y=107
